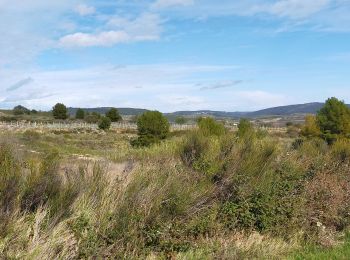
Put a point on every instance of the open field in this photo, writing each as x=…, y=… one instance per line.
x=79, y=194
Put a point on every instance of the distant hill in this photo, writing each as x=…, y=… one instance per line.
x=308, y=108
x=301, y=109
x=103, y=110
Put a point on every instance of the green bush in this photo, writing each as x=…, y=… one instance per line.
x=92, y=118
x=80, y=114
x=60, y=111
x=180, y=120
x=113, y=115
x=152, y=127
x=104, y=123
x=245, y=128
x=209, y=127
x=20, y=110
x=202, y=153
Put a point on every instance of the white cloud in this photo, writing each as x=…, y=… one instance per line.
x=138, y=85
x=29, y=27
x=101, y=39
x=297, y=8
x=146, y=27
x=84, y=10
x=159, y=4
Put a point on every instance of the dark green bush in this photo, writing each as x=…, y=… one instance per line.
x=104, y=123
x=152, y=127
x=60, y=111
x=113, y=115
x=80, y=114
x=20, y=110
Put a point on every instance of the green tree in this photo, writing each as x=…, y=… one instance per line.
x=180, y=120
x=60, y=111
x=20, y=110
x=334, y=119
x=104, y=123
x=113, y=115
x=208, y=127
x=152, y=127
x=80, y=114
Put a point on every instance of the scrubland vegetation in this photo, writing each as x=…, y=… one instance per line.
x=207, y=193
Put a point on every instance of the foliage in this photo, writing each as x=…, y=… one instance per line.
x=201, y=153
x=209, y=127
x=80, y=114
x=311, y=128
x=104, y=123
x=92, y=118
x=180, y=120
x=152, y=127
x=245, y=128
x=334, y=119
x=113, y=115
x=20, y=110
x=194, y=196
x=60, y=111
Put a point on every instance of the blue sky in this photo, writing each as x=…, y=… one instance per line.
x=170, y=55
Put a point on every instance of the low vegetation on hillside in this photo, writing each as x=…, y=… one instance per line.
x=208, y=193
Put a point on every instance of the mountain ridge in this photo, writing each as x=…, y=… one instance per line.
x=306, y=108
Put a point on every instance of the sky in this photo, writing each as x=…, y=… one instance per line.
x=170, y=55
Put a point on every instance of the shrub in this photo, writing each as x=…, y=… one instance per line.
x=60, y=111
x=80, y=114
x=20, y=110
x=341, y=150
x=104, y=123
x=92, y=118
x=208, y=127
x=334, y=119
x=113, y=115
x=9, y=179
x=152, y=127
x=202, y=153
x=180, y=120
x=41, y=184
x=30, y=135
x=311, y=128
x=245, y=128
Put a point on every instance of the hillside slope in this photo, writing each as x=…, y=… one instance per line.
x=308, y=108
